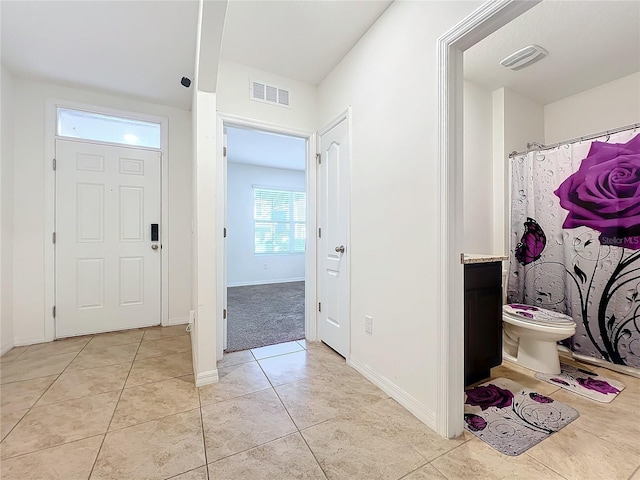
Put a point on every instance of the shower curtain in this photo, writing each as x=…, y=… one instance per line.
x=575, y=241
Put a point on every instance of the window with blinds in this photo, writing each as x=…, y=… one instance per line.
x=280, y=221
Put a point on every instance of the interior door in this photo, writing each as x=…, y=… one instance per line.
x=108, y=251
x=333, y=210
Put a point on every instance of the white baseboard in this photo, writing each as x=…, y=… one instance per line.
x=206, y=378
x=20, y=342
x=176, y=321
x=6, y=347
x=264, y=282
x=415, y=407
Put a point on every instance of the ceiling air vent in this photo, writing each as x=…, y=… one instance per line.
x=524, y=57
x=263, y=92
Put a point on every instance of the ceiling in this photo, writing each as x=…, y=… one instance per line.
x=301, y=40
x=135, y=48
x=255, y=147
x=589, y=43
x=142, y=48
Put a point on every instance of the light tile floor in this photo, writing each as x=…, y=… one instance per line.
x=123, y=406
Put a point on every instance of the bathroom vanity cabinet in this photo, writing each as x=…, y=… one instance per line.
x=482, y=317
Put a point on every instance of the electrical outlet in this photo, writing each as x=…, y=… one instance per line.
x=368, y=324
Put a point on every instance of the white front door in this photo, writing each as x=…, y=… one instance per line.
x=108, y=269
x=333, y=210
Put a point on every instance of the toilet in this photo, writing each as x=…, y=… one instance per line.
x=530, y=336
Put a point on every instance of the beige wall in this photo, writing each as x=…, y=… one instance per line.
x=389, y=79
x=233, y=98
x=6, y=213
x=30, y=137
x=614, y=104
x=478, y=170
x=517, y=120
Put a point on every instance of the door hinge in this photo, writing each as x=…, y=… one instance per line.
x=224, y=313
x=319, y=306
x=319, y=233
x=53, y=237
x=53, y=311
x=319, y=158
x=224, y=233
x=54, y=163
x=224, y=151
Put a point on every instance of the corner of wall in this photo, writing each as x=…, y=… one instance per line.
x=417, y=408
x=7, y=154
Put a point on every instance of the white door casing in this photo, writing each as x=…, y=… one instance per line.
x=108, y=274
x=224, y=239
x=333, y=249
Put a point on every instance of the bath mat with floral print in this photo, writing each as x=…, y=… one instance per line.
x=584, y=382
x=512, y=418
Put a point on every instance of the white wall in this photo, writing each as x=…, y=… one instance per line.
x=233, y=98
x=206, y=302
x=478, y=170
x=244, y=267
x=6, y=213
x=390, y=80
x=614, y=104
x=29, y=201
x=517, y=120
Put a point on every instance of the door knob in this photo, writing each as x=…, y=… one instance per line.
x=154, y=246
x=340, y=249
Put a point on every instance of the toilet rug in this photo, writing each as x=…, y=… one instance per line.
x=512, y=418
x=584, y=382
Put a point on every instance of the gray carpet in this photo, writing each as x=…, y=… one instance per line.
x=260, y=315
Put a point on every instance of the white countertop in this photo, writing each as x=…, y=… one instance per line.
x=467, y=258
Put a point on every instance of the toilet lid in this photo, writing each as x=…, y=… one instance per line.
x=541, y=316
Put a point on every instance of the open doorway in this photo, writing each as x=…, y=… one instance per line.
x=266, y=248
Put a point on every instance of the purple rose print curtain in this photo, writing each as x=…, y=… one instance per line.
x=575, y=241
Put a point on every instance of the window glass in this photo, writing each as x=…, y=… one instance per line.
x=106, y=128
x=280, y=221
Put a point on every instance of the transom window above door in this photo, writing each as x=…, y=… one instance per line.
x=280, y=221
x=107, y=128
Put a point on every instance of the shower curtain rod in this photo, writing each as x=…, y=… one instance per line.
x=538, y=146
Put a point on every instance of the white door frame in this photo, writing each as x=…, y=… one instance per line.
x=483, y=22
x=345, y=115
x=310, y=316
x=50, y=197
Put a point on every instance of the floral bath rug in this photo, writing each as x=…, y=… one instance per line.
x=512, y=418
x=584, y=382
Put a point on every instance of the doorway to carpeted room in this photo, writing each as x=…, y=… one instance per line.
x=266, y=247
x=260, y=315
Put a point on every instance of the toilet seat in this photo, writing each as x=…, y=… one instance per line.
x=537, y=316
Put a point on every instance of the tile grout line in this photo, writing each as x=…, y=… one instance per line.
x=45, y=391
x=300, y=431
x=86, y=396
x=288, y=414
x=189, y=471
x=622, y=447
x=313, y=454
x=204, y=438
x=416, y=469
x=251, y=448
x=540, y=463
x=437, y=469
x=449, y=451
x=113, y=414
x=52, y=446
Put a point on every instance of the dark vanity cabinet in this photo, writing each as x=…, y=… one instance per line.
x=482, y=319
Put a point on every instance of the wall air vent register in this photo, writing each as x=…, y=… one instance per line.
x=263, y=92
